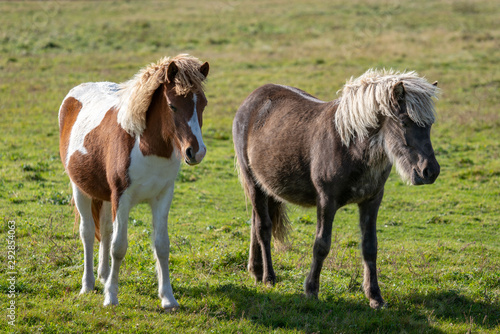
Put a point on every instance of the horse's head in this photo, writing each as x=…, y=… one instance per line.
x=408, y=144
x=187, y=110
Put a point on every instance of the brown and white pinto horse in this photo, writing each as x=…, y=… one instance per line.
x=122, y=144
x=293, y=147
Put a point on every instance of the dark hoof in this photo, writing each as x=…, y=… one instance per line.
x=311, y=295
x=311, y=290
x=378, y=304
x=257, y=274
x=269, y=282
x=269, y=278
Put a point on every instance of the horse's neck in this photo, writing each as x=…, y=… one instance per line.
x=158, y=137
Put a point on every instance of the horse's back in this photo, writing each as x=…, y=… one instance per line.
x=82, y=110
x=94, y=93
x=277, y=109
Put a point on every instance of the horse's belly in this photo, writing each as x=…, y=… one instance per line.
x=87, y=174
x=288, y=182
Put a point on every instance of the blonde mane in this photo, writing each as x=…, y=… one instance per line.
x=365, y=98
x=135, y=95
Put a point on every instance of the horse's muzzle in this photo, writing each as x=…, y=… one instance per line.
x=427, y=175
x=192, y=158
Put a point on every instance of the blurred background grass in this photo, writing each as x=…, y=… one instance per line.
x=439, y=254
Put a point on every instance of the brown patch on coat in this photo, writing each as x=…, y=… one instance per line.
x=67, y=117
x=102, y=173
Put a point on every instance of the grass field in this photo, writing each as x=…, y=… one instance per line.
x=439, y=249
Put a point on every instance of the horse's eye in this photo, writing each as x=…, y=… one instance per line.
x=174, y=109
x=405, y=120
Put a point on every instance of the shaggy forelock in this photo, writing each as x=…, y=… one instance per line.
x=136, y=94
x=365, y=98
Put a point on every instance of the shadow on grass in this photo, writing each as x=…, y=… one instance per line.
x=276, y=310
x=456, y=308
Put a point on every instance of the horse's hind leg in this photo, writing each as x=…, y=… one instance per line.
x=87, y=231
x=118, y=249
x=368, y=220
x=255, y=266
x=106, y=233
x=260, y=262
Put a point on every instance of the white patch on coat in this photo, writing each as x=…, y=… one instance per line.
x=302, y=94
x=194, y=125
x=96, y=99
x=149, y=175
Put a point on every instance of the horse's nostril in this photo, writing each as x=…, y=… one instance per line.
x=426, y=173
x=189, y=153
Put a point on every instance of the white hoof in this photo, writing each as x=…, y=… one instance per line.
x=110, y=300
x=169, y=305
x=86, y=290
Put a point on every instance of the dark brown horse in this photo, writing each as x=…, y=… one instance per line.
x=292, y=147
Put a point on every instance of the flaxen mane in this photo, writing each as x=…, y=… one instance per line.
x=364, y=98
x=135, y=95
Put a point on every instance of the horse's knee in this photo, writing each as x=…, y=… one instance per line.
x=119, y=249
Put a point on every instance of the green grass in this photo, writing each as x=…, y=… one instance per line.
x=439, y=254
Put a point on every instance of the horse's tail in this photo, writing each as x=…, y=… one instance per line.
x=76, y=214
x=281, y=223
x=96, y=213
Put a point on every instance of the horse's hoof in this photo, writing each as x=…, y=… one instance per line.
x=269, y=280
x=255, y=274
x=269, y=284
x=311, y=295
x=86, y=289
x=311, y=289
x=169, y=306
x=110, y=300
x=170, y=309
x=378, y=304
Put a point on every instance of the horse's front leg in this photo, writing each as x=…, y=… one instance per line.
x=368, y=211
x=160, y=207
x=119, y=244
x=326, y=210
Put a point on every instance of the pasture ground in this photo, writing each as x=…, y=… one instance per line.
x=439, y=250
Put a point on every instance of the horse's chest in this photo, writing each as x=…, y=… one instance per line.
x=366, y=185
x=150, y=175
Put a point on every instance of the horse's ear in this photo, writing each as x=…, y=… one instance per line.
x=435, y=83
x=204, y=69
x=172, y=71
x=398, y=91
